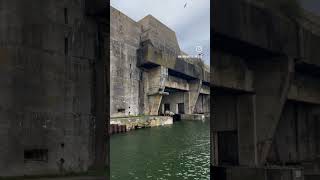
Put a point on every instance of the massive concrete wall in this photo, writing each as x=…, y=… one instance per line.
x=125, y=75
x=46, y=55
x=160, y=36
x=138, y=84
x=265, y=78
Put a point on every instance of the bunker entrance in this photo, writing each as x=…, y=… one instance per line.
x=180, y=108
x=174, y=103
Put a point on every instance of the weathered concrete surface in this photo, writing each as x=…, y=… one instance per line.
x=125, y=77
x=47, y=52
x=142, y=121
x=265, y=75
x=150, y=55
x=73, y=178
x=272, y=82
x=231, y=72
x=146, y=71
x=193, y=95
x=245, y=173
x=242, y=21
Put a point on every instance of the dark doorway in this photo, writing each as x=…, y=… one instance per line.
x=166, y=107
x=228, y=151
x=180, y=108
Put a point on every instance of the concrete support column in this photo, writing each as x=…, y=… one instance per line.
x=193, y=95
x=271, y=83
x=154, y=103
x=224, y=125
x=246, y=130
x=155, y=85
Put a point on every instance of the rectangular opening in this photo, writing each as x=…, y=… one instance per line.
x=121, y=110
x=166, y=107
x=66, y=15
x=36, y=155
x=228, y=148
x=180, y=108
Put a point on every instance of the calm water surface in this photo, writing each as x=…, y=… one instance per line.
x=176, y=152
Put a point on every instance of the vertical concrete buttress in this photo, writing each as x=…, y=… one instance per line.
x=193, y=95
x=272, y=82
x=155, y=85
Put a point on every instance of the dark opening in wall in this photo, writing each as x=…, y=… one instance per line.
x=66, y=15
x=121, y=110
x=36, y=155
x=166, y=107
x=228, y=152
x=180, y=108
x=66, y=46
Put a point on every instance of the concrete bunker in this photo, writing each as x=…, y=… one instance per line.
x=147, y=75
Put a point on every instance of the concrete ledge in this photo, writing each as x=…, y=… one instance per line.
x=57, y=178
x=74, y=178
x=136, y=122
x=255, y=25
x=196, y=117
x=256, y=173
x=148, y=55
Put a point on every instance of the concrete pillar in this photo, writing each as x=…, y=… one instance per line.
x=271, y=83
x=246, y=129
x=154, y=103
x=154, y=85
x=193, y=95
x=223, y=122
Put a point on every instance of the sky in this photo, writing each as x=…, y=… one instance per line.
x=191, y=23
x=311, y=5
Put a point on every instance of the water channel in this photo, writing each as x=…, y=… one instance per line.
x=174, y=152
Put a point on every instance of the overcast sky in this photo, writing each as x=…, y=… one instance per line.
x=191, y=23
x=311, y=5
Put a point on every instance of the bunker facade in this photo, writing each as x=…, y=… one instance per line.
x=148, y=77
x=266, y=103
x=48, y=116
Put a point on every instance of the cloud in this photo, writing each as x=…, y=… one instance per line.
x=191, y=24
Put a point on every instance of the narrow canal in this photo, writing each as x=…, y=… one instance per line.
x=175, y=152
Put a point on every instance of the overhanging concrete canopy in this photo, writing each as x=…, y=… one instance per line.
x=148, y=55
x=253, y=25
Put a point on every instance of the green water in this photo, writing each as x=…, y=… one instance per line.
x=175, y=152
